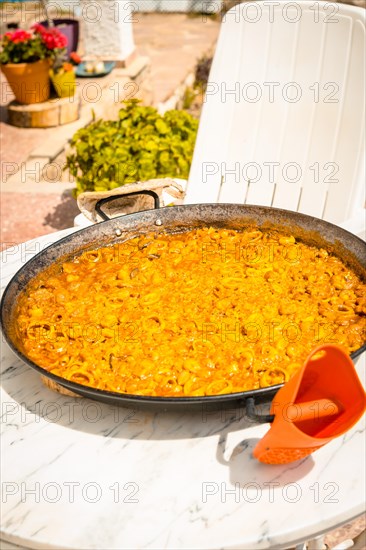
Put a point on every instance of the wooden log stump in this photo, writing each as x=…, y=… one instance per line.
x=55, y=112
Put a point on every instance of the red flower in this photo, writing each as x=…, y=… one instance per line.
x=54, y=39
x=40, y=43
x=38, y=28
x=19, y=36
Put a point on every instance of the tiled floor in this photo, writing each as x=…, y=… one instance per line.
x=174, y=47
x=26, y=216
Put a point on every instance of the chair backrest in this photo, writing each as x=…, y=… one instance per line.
x=283, y=119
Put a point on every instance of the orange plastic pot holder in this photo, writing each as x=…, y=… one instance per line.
x=323, y=400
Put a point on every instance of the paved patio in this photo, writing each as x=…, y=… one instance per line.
x=31, y=207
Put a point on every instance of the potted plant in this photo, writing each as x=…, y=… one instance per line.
x=63, y=75
x=26, y=58
x=63, y=80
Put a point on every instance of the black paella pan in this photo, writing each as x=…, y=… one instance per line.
x=313, y=231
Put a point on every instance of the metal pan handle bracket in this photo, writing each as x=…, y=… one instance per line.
x=252, y=414
x=102, y=202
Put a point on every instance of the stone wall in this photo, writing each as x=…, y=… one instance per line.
x=107, y=28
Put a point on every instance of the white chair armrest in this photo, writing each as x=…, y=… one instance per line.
x=356, y=224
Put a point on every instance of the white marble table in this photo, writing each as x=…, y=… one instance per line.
x=80, y=474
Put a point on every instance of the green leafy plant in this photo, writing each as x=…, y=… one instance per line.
x=189, y=96
x=141, y=145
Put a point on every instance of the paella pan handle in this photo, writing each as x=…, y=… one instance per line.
x=253, y=415
x=102, y=202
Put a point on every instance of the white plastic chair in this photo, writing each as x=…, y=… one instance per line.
x=283, y=119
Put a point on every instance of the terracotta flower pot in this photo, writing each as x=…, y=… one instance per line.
x=30, y=82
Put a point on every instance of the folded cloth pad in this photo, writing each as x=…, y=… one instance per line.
x=165, y=188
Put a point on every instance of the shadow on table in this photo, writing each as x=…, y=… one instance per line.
x=64, y=213
x=245, y=472
x=29, y=401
